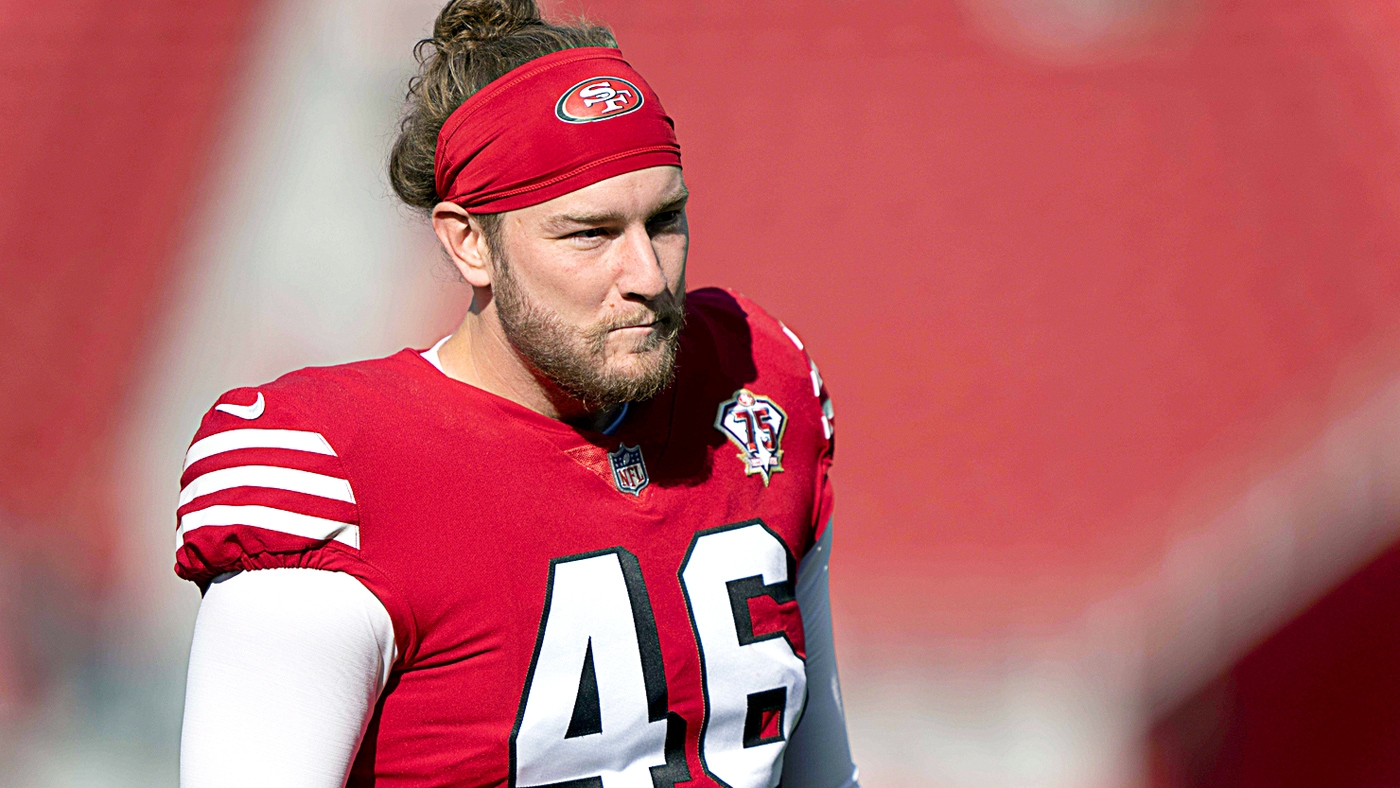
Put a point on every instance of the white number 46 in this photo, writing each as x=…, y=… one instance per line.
x=594, y=712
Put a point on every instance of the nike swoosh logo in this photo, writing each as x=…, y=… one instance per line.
x=248, y=412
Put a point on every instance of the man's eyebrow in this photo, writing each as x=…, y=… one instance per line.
x=559, y=220
x=680, y=196
x=565, y=219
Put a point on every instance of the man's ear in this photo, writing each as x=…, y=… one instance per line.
x=462, y=236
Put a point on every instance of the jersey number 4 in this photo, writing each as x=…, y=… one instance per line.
x=594, y=712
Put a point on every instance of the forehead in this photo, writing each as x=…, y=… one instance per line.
x=637, y=194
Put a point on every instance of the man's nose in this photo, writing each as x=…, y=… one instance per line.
x=641, y=276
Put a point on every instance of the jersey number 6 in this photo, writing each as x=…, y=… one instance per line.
x=594, y=712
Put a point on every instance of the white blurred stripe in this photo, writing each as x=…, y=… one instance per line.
x=271, y=477
x=791, y=335
x=268, y=518
x=232, y=440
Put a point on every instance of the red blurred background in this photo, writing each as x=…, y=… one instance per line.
x=1105, y=292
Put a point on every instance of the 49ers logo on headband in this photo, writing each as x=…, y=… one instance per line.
x=599, y=98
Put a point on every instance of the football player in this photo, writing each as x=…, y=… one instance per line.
x=580, y=542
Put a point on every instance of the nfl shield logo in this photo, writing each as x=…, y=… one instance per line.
x=629, y=472
x=755, y=424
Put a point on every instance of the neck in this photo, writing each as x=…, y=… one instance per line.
x=478, y=353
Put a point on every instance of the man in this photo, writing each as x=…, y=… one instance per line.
x=582, y=541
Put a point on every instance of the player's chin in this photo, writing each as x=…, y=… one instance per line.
x=636, y=362
x=646, y=362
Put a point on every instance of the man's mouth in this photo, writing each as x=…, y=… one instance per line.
x=652, y=323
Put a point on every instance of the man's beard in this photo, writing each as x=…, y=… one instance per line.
x=576, y=360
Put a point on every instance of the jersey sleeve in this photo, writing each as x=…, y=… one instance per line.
x=823, y=495
x=261, y=488
x=264, y=487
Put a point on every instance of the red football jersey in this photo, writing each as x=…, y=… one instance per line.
x=570, y=608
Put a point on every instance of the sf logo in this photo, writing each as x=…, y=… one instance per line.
x=599, y=98
x=604, y=93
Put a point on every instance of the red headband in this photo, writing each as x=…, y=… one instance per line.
x=554, y=125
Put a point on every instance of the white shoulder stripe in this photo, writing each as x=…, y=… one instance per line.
x=232, y=440
x=816, y=376
x=280, y=520
x=268, y=476
x=791, y=335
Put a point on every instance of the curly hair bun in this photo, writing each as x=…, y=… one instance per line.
x=481, y=21
x=473, y=43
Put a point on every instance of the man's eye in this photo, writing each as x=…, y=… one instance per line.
x=592, y=232
x=663, y=219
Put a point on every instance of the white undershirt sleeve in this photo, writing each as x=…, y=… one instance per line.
x=285, y=669
x=818, y=754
